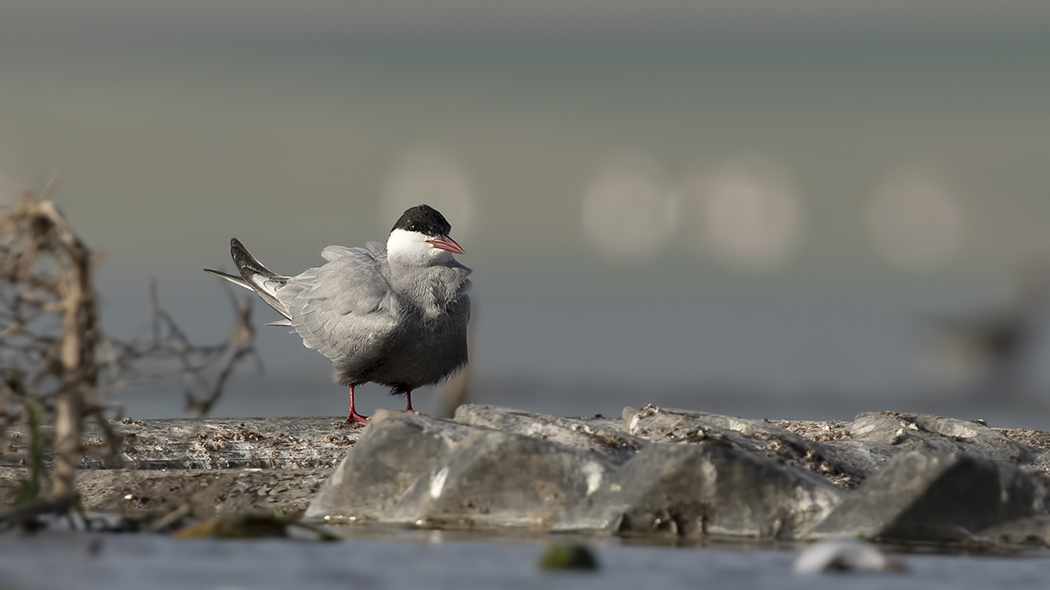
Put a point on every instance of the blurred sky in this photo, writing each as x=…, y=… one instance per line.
x=751, y=202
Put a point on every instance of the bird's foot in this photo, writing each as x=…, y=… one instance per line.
x=355, y=418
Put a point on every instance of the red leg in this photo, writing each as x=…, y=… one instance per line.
x=408, y=396
x=353, y=416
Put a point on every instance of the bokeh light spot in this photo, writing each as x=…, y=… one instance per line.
x=914, y=222
x=750, y=217
x=627, y=211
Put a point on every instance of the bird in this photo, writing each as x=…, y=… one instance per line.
x=393, y=314
x=994, y=349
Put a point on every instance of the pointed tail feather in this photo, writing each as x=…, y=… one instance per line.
x=246, y=263
x=254, y=276
x=240, y=282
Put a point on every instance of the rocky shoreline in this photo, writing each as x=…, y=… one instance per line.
x=656, y=472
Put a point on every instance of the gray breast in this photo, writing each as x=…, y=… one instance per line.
x=422, y=351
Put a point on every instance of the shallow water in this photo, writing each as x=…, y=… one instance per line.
x=461, y=561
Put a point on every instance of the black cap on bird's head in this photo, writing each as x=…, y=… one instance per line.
x=425, y=220
x=428, y=221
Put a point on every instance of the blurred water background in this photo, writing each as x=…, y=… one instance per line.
x=798, y=210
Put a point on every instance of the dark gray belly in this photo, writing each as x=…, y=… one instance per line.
x=410, y=358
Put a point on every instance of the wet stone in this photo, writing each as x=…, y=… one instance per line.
x=409, y=468
x=394, y=451
x=708, y=488
x=917, y=497
x=937, y=434
x=847, y=463
x=497, y=479
x=1028, y=532
x=601, y=436
x=568, y=557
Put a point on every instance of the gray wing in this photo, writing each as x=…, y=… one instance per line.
x=344, y=305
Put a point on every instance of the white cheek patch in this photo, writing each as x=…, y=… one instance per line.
x=407, y=244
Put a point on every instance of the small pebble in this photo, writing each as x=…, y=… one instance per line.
x=846, y=556
x=568, y=557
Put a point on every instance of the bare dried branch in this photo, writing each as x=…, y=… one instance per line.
x=54, y=356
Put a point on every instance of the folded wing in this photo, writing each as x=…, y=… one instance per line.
x=344, y=306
